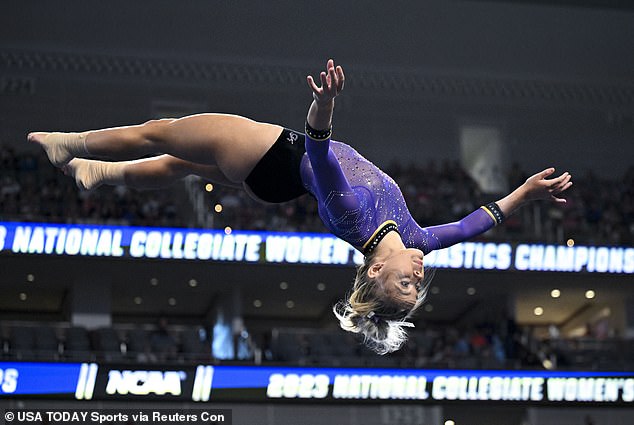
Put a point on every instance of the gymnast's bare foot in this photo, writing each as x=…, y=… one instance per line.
x=60, y=147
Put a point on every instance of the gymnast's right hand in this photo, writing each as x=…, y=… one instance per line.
x=331, y=83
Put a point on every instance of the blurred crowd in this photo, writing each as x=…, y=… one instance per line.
x=598, y=211
x=32, y=190
x=431, y=346
x=486, y=345
x=500, y=345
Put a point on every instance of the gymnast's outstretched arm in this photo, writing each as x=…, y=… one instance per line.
x=329, y=177
x=536, y=187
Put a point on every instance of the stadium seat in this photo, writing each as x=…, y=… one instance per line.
x=47, y=343
x=22, y=342
x=77, y=344
x=108, y=344
x=138, y=345
x=193, y=347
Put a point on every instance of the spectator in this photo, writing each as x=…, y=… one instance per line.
x=164, y=346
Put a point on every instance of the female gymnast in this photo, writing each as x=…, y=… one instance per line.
x=356, y=201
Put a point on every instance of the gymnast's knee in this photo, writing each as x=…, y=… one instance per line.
x=174, y=167
x=155, y=130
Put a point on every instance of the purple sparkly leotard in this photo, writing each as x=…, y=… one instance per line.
x=356, y=199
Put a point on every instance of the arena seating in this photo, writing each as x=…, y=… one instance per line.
x=478, y=347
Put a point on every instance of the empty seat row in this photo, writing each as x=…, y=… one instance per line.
x=29, y=342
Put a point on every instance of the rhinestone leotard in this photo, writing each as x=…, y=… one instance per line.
x=356, y=199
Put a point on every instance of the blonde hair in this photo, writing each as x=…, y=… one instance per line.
x=359, y=313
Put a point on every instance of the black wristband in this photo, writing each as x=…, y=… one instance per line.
x=494, y=210
x=318, y=134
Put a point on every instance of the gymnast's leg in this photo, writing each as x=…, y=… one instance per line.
x=235, y=144
x=149, y=173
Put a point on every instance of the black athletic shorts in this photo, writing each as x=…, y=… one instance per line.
x=276, y=178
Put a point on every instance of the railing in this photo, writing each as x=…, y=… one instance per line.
x=196, y=196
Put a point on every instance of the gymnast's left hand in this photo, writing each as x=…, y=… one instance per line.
x=538, y=186
x=331, y=84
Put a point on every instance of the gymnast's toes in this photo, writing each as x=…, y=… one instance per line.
x=37, y=137
x=54, y=144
